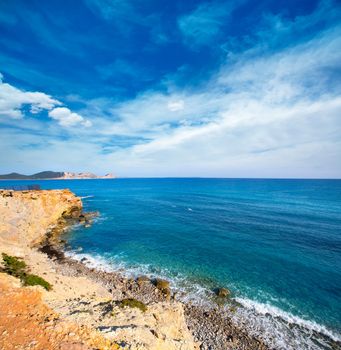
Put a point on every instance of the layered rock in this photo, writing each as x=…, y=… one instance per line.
x=79, y=312
x=26, y=216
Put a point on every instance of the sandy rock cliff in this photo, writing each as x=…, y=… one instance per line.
x=73, y=315
x=26, y=216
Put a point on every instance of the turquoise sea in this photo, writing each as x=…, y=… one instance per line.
x=275, y=243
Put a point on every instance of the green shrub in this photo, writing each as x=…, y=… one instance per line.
x=130, y=302
x=17, y=267
x=34, y=280
x=13, y=266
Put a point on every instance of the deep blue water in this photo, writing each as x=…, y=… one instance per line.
x=275, y=243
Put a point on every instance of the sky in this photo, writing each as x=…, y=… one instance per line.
x=158, y=88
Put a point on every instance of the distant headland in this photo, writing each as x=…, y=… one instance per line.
x=54, y=175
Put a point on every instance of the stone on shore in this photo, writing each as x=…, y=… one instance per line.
x=161, y=284
x=142, y=280
x=79, y=312
x=163, y=287
x=223, y=292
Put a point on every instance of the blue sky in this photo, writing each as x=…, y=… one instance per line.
x=171, y=88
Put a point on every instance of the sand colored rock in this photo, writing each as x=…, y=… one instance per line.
x=78, y=313
x=26, y=216
x=223, y=292
x=27, y=323
x=162, y=326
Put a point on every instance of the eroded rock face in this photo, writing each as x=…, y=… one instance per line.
x=163, y=326
x=26, y=216
x=55, y=319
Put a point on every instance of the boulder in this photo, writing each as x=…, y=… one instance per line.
x=163, y=287
x=142, y=280
x=161, y=284
x=223, y=292
x=82, y=218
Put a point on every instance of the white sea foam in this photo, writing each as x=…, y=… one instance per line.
x=276, y=327
x=282, y=329
x=85, y=197
x=92, y=261
x=187, y=290
x=99, y=218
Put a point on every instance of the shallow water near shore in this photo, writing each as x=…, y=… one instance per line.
x=275, y=243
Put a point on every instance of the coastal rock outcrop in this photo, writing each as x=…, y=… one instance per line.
x=79, y=312
x=26, y=216
x=223, y=292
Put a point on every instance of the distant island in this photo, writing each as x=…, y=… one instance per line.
x=54, y=175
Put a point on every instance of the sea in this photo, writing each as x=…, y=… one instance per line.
x=275, y=243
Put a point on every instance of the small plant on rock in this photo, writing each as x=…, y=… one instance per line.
x=131, y=302
x=17, y=267
x=34, y=280
x=13, y=266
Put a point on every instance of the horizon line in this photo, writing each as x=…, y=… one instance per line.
x=182, y=177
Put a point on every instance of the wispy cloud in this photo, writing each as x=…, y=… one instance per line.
x=114, y=9
x=204, y=24
x=125, y=15
x=121, y=70
x=270, y=108
x=254, y=110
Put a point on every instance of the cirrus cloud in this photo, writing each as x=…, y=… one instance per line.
x=204, y=24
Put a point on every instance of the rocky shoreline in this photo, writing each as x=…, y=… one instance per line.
x=211, y=327
x=63, y=304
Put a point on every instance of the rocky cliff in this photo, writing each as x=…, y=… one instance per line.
x=26, y=216
x=78, y=312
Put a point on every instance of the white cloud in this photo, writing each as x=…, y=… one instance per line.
x=87, y=123
x=261, y=115
x=12, y=101
x=175, y=106
x=67, y=118
x=273, y=114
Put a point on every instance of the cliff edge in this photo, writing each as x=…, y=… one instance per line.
x=26, y=216
x=76, y=311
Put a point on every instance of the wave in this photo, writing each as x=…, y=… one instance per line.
x=281, y=329
x=92, y=261
x=278, y=328
x=186, y=290
x=90, y=196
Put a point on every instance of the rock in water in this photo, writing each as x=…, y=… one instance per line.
x=223, y=292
